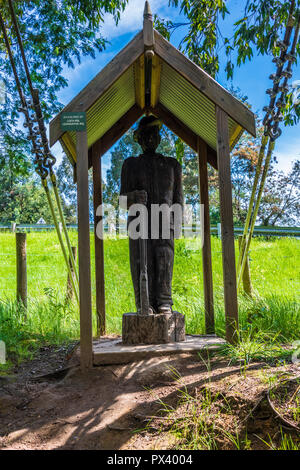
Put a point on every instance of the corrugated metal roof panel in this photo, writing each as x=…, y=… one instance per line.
x=192, y=107
x=109, y=108
x=176, y=93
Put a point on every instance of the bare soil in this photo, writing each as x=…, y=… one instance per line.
x=51, y=404
x=285, y=400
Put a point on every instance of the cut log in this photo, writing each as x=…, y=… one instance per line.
x=153, y=329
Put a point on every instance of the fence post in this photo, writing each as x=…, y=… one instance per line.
x=70, y=291
x=219, y=230
x=21, y=268
x=246, y=274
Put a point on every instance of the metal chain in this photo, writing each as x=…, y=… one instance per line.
x=274, y=112
x=45, y=160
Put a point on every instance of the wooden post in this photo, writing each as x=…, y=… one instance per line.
x=70, y=292
x=228, y=253
x=206, y=249
x=21, y=268
x=84, y=255
x=99, y=245
x=246, y=274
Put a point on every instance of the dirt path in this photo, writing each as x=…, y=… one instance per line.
x=104, y=408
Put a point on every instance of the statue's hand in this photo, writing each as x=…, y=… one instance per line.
x=141, y=197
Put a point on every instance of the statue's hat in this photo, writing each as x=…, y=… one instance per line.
x=147, y=121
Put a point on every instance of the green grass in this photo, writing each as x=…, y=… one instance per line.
x=274, y=270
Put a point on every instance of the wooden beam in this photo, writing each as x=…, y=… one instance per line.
x=85, y=294
x=117, y=130
x=206, y=247
x=101, y=83
x=69, y=144
x=236, y=135
x=99, y=246
x=204, y=83
x=182, y=131
x=155, y=84
x=228, y=252
x=139, y=72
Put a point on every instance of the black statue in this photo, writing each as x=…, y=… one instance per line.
x=150, y=179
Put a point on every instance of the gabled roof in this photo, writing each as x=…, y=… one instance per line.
x=182, y=94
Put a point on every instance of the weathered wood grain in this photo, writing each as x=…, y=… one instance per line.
x=99, y=246
x=228, y=253
x=153, y=329
x=85, y=294
x=206, y=248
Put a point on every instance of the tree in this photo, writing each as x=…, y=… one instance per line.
x=67, y=189
x=261, y=24
x=23, y=201
x=281, y=198
x=56, y=34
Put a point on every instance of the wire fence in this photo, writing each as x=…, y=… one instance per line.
x=46, y=268
x=215, y=229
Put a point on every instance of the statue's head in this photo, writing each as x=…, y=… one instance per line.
x=147, y=133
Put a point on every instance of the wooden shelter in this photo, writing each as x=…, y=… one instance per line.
x=151, y=75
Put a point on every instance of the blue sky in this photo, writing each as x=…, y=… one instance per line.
x=251, y=78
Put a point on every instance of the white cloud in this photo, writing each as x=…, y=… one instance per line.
x=131, y=19
x=82, y=74
x=287, y=152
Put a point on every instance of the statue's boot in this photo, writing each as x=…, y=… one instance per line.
x=164, y=308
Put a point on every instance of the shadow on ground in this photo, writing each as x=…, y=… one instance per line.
x=103, y=408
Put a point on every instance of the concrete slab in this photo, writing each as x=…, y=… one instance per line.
x=112, y=351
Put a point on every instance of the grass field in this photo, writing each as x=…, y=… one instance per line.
x=274, y=270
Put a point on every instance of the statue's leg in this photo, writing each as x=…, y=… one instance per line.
x=134, y=256
x=164, y=260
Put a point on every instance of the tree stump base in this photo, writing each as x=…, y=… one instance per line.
x=153, y=329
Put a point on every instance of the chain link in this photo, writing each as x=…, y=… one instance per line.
x=274, y=112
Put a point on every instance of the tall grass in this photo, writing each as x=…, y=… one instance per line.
x=273, y=310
